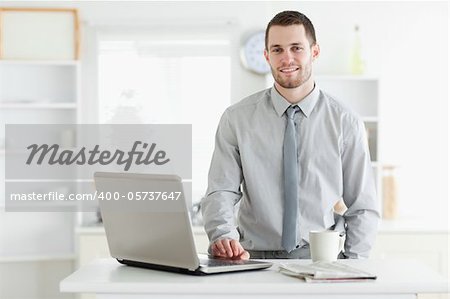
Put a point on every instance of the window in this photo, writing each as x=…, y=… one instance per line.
x=168, y=80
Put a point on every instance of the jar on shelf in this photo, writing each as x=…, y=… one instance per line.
x=390, y=192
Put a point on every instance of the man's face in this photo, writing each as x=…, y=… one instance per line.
x=290, y=55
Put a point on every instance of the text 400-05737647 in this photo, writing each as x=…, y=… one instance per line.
x=138, y=195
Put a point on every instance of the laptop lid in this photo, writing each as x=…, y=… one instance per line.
x=146, y=219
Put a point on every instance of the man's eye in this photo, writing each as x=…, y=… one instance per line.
x=276, y=50
x=297, y=49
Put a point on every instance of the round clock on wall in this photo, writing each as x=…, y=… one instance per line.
x=252, y=54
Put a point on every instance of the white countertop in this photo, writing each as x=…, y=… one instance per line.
x=407, y=226
x=107, y=276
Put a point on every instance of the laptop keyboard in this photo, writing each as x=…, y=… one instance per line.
x=222, y=262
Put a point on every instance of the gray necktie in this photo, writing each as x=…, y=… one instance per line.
x=290, y=214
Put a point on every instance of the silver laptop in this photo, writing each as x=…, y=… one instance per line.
x=147, y=224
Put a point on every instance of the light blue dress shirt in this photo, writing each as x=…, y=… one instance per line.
x=247, y=167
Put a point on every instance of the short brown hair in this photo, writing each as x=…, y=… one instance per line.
x=290, y=17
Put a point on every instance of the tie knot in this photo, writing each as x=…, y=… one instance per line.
x=292, y=110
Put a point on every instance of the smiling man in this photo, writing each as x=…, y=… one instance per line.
x=288, y=154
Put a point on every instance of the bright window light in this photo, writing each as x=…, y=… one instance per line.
x=167, y=82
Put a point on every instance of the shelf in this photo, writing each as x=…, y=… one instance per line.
x=74, y=180
x=359, y=93
x=370, y=119
x=413, y=225
x=40, y=62
x=347, y=77
x=39, y=106
x=27, y=152
x=37, y=258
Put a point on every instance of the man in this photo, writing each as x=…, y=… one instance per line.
x=296, y=152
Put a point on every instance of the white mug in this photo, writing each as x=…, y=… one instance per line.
x=325, y=246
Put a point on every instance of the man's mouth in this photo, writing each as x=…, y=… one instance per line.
x=288, y=70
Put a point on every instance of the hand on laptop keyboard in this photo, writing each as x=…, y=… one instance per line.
x=229, y=248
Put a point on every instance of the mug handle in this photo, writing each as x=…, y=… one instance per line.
x=341, y=243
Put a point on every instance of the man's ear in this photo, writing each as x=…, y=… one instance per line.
x=266, y=55
x=315, y=51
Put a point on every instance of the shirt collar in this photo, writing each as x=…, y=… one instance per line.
x=306, y=105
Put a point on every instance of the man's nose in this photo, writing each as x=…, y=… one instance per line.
x=287, y=57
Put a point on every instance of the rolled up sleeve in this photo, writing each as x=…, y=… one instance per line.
x=359, y=193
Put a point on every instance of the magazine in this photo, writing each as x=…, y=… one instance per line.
x=325, y=272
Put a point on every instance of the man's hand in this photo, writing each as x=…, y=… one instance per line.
x=228, y=248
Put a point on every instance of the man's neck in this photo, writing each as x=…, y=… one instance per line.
x=295, y=95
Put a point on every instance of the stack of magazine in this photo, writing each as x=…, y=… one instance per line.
x=325, y=272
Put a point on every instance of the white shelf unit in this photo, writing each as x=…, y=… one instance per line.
x=33, y=106
x=36, y=92
x=361, y=94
